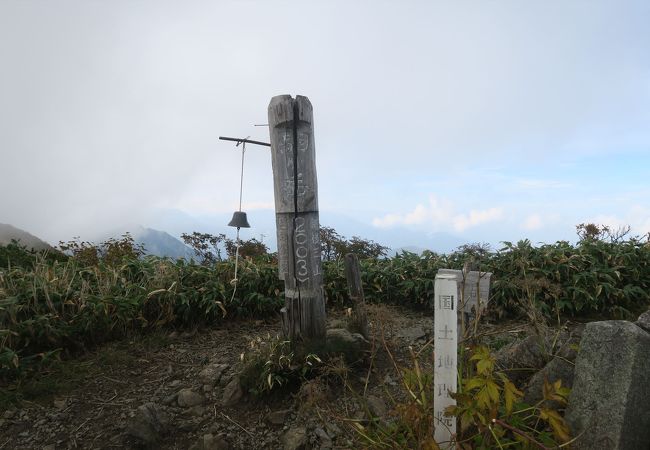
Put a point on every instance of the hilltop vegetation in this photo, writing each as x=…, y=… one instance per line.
x=53, y=305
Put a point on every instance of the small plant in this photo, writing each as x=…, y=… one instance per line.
x=206, y=246
x=489, y=410
x=112, y=252
x=273, y=363
x=491, y=414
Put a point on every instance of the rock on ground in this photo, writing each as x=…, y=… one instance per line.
x=351, y=345
x=188, y=398
x=561, y=367
x=608, y=406
x=376, y=406
x=149, y=424
x=413, y=333
x=212, y=374
x=522, y=359
x=295, y=439
x=232, y=393
x=277, y=417
x=211, y=442
x=557, y=369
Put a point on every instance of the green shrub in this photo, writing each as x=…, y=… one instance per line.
x=50, y=302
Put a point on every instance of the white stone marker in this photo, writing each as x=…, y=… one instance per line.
x=445, y=376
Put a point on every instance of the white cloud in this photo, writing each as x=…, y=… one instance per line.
x=532, y=222
x=609, y=220
x=637, y=217
x=440, y=214
x=476, y=217
x=640, y=219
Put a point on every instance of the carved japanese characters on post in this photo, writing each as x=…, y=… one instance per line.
x=445, y=351
x=296, y=212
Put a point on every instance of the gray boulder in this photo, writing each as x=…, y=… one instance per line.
x=521, y=360
x=376, y=406
x=149, y=424
x=211, y=374
x=561, y=367
x=351, y=345
x=295, y=439
x=232, y=393
x=277, y=417
x=557, y=369
x=211, y=442
x=413, y=333
x=609, y=403
x=188, y=398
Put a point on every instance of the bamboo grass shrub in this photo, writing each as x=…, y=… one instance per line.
x=70, y=306
x=51, y=305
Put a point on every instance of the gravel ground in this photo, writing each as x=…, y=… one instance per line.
x=174, y=392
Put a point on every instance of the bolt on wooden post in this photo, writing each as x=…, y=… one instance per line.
x=296, y=213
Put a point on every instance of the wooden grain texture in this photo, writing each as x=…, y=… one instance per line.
x=287, y=135
x=473, y=288
x=359, y=321
x=295, y=190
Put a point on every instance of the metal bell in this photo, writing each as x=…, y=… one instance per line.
x=239, y=220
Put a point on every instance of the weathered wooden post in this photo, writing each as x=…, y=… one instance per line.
x=296, y=214
x=473, y=295
x=353, y=275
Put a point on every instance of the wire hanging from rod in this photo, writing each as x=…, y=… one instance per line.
x=237, y=244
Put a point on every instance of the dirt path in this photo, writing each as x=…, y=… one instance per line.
x=102, y=407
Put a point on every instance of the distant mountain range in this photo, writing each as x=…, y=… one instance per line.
x=9, y=233
x=175, y=222
x=158, y=243
x=263, y=227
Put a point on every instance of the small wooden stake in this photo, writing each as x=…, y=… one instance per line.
x=359, y=320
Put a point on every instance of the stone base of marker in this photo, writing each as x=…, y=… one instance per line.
x=609, y=406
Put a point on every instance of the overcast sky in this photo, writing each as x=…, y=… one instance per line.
x=488, y=120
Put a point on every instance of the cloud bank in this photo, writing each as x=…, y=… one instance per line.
x=440, y=215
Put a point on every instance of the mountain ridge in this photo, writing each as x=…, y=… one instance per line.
x=9, y=232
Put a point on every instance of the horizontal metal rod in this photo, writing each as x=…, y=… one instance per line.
x=246, y=141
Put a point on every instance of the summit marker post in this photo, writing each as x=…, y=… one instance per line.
x=291, y=126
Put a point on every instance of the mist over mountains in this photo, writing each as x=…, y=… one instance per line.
x=9, y=233
x=161, y=243
x=156, y=242
x=263, y=228
x=161, y=236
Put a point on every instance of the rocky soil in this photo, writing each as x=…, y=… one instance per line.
x=181, y=391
